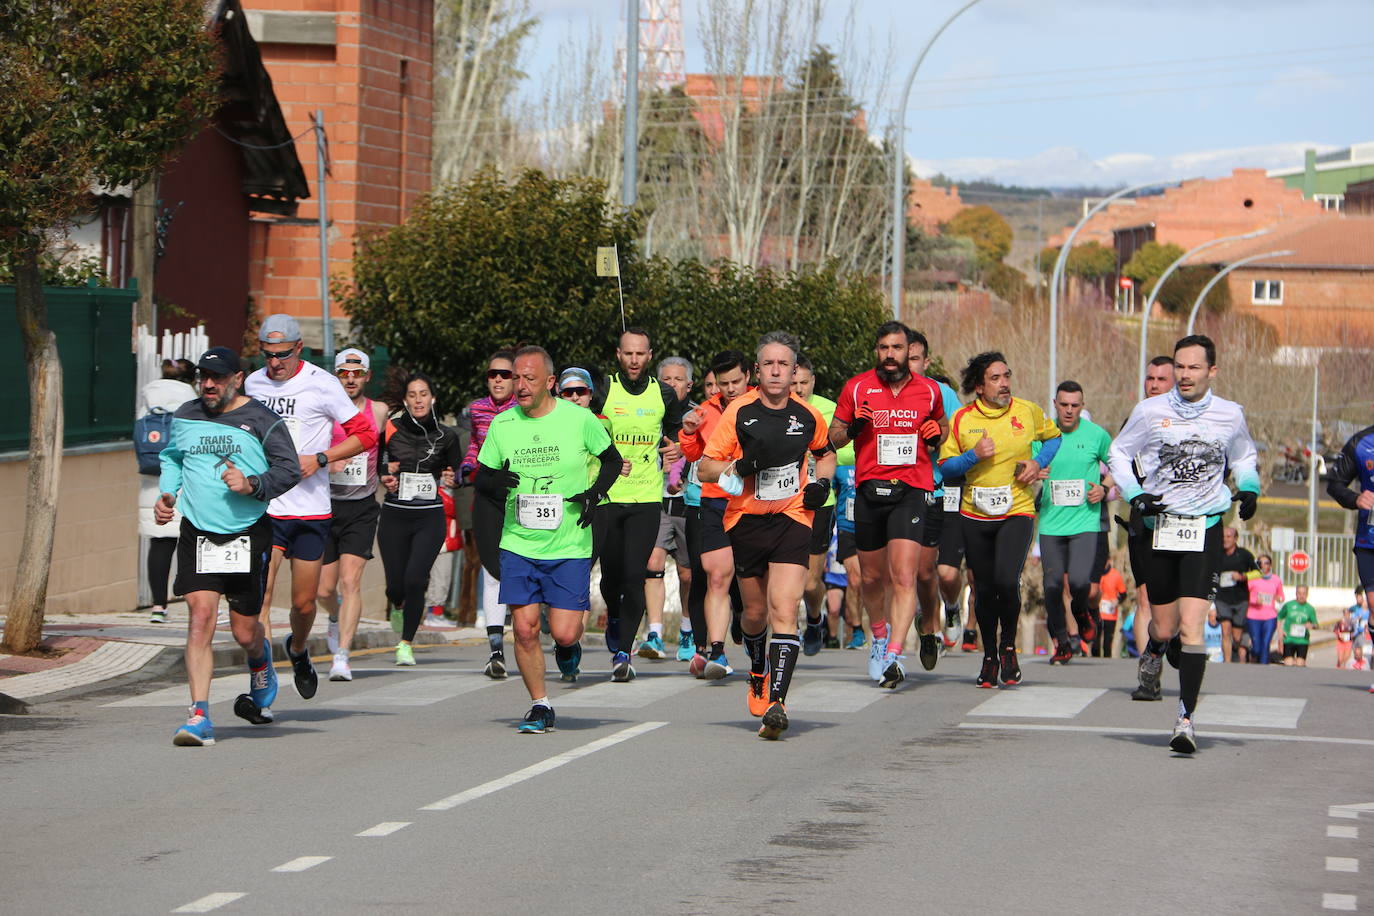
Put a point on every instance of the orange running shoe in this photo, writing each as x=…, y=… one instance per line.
x=758, y=694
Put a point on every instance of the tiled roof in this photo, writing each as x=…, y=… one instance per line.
x=1323, y=242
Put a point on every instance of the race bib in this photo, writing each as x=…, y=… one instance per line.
x=951, y=499
x=539, y=511
x=295, y=428
x=1106, y=610
x=692, y=476
x=1068, y=492
x=229, y=557
x=417, y=486
x=777, y=483
x=1297, y=631
x=1180, y=535
x=353, y=473
x=849, y=508
x=992, y=500
x=896, y=449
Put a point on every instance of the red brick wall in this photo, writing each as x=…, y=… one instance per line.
x=1321, y=308
x=930, y=206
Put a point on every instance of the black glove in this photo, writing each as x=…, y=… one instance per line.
x=586, y=501
x=496, y=483
x=747, y=465
x=815, y=494
x=1147, y=504
x=1249, y=504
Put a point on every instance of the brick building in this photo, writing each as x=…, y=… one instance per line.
x=366, y=64
x=930, y=206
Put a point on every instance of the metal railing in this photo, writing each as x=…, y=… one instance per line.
x=1332, y=561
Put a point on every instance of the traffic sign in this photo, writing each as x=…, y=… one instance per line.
x=1299, y=561
x=1127, y=283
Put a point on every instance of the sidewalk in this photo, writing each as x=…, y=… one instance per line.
x=100, y=647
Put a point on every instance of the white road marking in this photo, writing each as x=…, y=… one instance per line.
x=635, y=695
x=209, y=902
x=842, y=696
x=385, y=828
x=1342, y=863
x=543, y=766
x=1342, y=832
x=1338, y=901
x=222, y=689
x=1038, y=702
x=302, y=863
x=413, y=691
x=1249, y=712
x=1109, y=730
x=1349, y=811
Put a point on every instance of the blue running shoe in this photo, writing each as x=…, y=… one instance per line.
x=717, y=668
x=856, y=640
x=621, y=669
x=652, y=647
x=538, y=720
x=686, y=648
x=876, y=654
x=197, y=732
x=569, y=668
x=262, y=682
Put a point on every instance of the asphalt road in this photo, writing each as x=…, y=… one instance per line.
x=411, y=790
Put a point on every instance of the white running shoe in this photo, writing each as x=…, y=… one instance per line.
x=439, y=622
x=157, y=615
x=332, y=637
x=339, y=671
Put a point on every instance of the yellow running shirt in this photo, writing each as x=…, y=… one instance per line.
x=990, y=489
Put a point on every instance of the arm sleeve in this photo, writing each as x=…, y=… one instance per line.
x=958, y=465
x=1048, y=450
x=283, y=464
x=608, y=472
x=1243, y=458
x=673, y=410
x=1344, y=470
x=1132, y=438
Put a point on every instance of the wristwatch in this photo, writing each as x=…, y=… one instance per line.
x=322, y=458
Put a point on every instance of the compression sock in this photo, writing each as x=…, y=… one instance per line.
x=202, y=707
x=879, y=630
x=757, y=647
x=782, y=659
x=496, y=638
x=1192, y=664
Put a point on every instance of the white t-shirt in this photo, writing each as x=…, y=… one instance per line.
x=310, y=403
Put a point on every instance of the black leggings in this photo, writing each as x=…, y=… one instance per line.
x=160, y=553
x=996, y=553
x=696, y=592
x=631, y=530
x=410, y=539
x=1073, y=555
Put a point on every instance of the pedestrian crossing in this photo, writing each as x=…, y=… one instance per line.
x=1038, y=702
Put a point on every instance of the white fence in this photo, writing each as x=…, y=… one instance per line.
x=1332, y=560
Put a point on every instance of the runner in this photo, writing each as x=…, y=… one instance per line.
x=1297, y=619
x=847, y=551
x=645, y=416
x=1182, y=444
x=227, y=455
x=309, y=401
x=353, y=511
x=823, y=522
x=1356, y=462
x=1068, y=505
x=418, y=452
x=730, y=373
x=757, y=452
x=676, y=373
x=1159, y=379
x=894, y=419
x=1233, y=595
x=990, y=446
x=534, y=463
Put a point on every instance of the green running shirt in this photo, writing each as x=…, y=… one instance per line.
x=1062, y=511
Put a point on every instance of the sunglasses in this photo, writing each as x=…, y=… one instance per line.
x=575, y=392
x=500, y=373
x=279, y=355
x=351, y=373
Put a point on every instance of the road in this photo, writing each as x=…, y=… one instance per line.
x=411, y=790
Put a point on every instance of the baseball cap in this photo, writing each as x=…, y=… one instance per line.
x=352, y=358
x=220, y=361
x=284, y=325
x=573, y=377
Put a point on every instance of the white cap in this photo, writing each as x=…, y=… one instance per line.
x=352, y=358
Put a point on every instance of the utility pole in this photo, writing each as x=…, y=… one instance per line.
x=327, y=326
x=628, y=194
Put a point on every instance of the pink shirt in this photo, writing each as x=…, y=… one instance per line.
x=1266, y=596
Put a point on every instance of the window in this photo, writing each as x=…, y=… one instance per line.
x=1267, y=292
x=1330, y=201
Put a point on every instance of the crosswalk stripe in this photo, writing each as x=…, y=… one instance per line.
x=210, y=902
x=414, y=691
x=639, y=693
x=221, y=689
x=1253, y=712
x=1038, y=702
x=834, y=696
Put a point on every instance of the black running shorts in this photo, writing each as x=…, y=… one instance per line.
x=243, y=591
x=885, y=511
x=822, y=522
x=1171, y=575
x=1100, y=558
x=713, y=535
x=951, y=540
x=352, y=528
x=845, y=547
x=762, y=539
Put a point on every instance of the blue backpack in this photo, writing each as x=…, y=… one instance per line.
x=152, y=432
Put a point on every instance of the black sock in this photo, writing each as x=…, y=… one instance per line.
x=496, y=638
x=717, y=649
x=563, y=653
x=1155, y=647
x=1192, y=664
x=757, y=648
x=782, y=659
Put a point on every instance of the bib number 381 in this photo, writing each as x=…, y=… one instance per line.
x=1180, y=535
x=539, y=511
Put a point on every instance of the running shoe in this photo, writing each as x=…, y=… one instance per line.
x=405, y=655
x=1011, y=668
x=302, y=671
x=832, y=642
x=652, y=647
x=717, y=668
x=262, y=681
x=569, y=668
x=1063, y=654
x=159, y=615
x=758, y=694
x=339, y=670
x=439, y=622
x=856, y=639
x=1148, y=673
x=970, y=641
x=812, y=638
x=332, y=637
x=930, y=650
x=197, y=732
x=952, y=617
x=893, y=672
x=876, y=653
x=774, y=722
x=538, y=720
x=621, y=669
x=613, y=635
x=1172, y=650
x=1087, y=627
x=686, y=648
x=496, y=666
x=736, y=630
x=697, y=666
x=245, y=708
x=950, y=637
x=1183, y=741
x=988, y=676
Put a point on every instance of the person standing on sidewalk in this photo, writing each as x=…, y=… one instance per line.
x=163, y=395
x=227, y=456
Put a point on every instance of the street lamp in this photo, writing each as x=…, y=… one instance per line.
x=899, y=173
x=1159, y=285
x=1057, y=277
x=1192, y=316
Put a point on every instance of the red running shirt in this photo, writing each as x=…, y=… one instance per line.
x=894, y=435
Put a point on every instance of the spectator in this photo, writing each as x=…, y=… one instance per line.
x=1345, y=636
x=167, y=394
x=1297, y=619
x=1360, y=612
x=1112, y=589
x=1261, y=618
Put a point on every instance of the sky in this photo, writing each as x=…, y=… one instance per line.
x=1072, y=92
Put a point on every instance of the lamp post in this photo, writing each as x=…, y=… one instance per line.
x=1058, y=276
x=631, y=155
x=1192, y=316
x=1159, y=284
x=899, y=173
